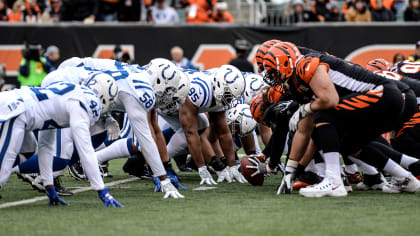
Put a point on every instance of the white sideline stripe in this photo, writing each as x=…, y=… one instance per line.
x=83, y=189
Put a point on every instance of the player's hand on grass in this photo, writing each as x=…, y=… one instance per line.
x=224, y=175
x=235, y=175
x=108, y=199
x=170, y=190
x=54, y=198
x=174, y=180
x=205, y=176
x=156, y=180
x=286, y=185
x=111, y=125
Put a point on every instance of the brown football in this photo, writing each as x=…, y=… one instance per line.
x=246, y=172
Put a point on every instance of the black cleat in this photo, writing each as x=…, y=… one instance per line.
x=76, y=171
x=62, y=191
x=104, y=170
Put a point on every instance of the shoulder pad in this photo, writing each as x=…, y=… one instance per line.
x=306, y=67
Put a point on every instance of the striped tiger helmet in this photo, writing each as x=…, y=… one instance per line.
x=262, y=50
x=279, y=63
x=378, y=64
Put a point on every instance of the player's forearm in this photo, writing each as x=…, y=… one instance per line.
x=226, y=142
x=301, y=138
x=194, y=145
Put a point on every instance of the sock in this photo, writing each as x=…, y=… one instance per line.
x=351, y=169
x=396, y=170
x=407, y=161
x=311, y=167
x=332, y=165
x=291, y=166
x=327, y=140
x=364, y=167
x=118, y=149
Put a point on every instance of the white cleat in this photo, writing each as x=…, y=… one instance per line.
x=398, y=185
x=365, y=187
x=327, y=187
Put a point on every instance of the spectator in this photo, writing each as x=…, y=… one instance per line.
x=397, y=58
x=108, y=10
x=117, y=53
x=179, y=60
x=412, y=12
x=200, y=11
x=221, y=14
x=52, y=55
x=416, y=55
x=129, y=10
x=358, y=13
x=16, y=14
x=80, y=10
x=163, y=14
x=54, y=13
x=324, y=11
x=242, y=46
x=32, y=12
x=4, y=11
x=300, y=14
x=381, y=13
x=33, y=68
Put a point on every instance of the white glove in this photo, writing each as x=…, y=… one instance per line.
x=111, y=125
x=286, y=185
x=169, y=190
x=235, y=175
x=224, y=175
x=258, y=166
x=205, y=176
x=301, y=113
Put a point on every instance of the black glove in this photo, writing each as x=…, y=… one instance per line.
x=281, y=109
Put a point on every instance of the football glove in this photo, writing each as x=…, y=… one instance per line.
x=169, y=190
x=108, y=199
x=259, y=167
x=286, y=185
x=174, y=180
x=235, y=175
x=205, y=176
x=54, y=198
x=156, y=180
x=301, y=113
x=278, y=110
x=111, y=125
x=224, y=175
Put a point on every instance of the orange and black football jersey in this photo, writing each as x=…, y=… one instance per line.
x=347, y=77
x=408, y=68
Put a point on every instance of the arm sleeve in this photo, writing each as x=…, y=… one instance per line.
x=79, y=125
x=137, y=115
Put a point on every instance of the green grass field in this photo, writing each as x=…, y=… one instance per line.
x=230, y=209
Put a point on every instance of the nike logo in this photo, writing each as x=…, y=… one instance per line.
x=334, y=188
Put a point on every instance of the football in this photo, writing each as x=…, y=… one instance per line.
x=247, y=172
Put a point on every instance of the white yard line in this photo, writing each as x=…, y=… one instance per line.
x=83, y=189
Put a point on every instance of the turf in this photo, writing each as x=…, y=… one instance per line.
x=230, y=209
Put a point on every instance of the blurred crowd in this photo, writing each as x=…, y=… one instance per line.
x=90, y=11
x=349, y=11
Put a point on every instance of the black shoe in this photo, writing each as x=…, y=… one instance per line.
x=77, y=172
x=62, y=191
x=104, y=170
x=310, y=178
x=414, y=168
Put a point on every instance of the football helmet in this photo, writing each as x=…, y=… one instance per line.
x=179, y=97
x=262, y=50
x=254, y=84
x=279, y=63
x=105, y=88
x=165, y=79
x=229, y=84
x=256, y=108
x=378, y=64
x=240, y=118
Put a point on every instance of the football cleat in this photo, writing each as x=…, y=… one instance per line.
x=327, y=187
x=76, y=171
x=353, y=178
x=346, y=183
x=372, y=182
x=409, y=184
x=306, y=179
x=103, y=167
x=28, y=178
x=37, y=184
x=62, y=191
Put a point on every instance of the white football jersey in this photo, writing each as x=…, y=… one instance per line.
x=131, y=79
x=45, y=108
x=201, y=91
